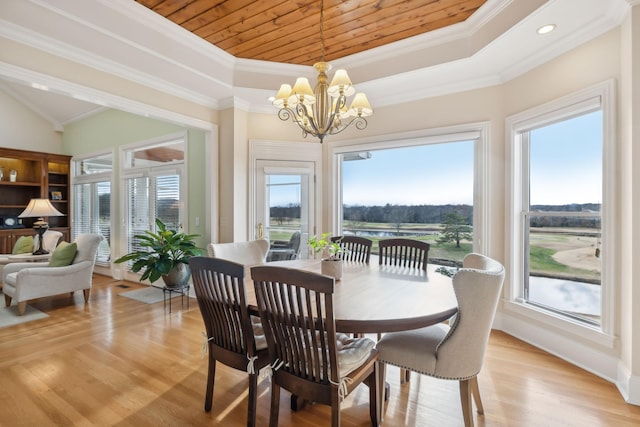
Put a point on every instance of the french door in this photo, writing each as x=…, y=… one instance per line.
x=285, y=203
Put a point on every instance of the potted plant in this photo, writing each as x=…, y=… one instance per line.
x=166, y=255
x=331, y=263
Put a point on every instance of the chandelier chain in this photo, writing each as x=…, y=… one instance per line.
x=322, y=30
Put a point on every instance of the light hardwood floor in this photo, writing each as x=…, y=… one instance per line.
x=119, y=362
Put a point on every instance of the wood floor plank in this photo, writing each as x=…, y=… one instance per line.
x=120, y=362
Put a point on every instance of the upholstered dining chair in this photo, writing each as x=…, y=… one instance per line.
x=454, y=351
x=233, y=337
x=402, y=252
x=307, y=357
x=247, y=253
x=358, y=249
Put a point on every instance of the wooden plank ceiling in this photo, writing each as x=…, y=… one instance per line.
x=288, y=31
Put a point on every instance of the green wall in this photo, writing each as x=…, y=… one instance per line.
x=110, y=129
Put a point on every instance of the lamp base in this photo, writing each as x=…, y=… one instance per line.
x=40, y=229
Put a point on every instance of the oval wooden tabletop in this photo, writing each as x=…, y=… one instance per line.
x=374, y=299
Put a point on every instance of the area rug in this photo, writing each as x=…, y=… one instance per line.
x=9, y=315
x=148, y=295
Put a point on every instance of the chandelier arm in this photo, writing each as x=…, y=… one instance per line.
x=310, y=125
x=358, y=122
x=285, y=114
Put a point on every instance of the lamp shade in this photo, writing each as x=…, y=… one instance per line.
x=341, y=84
x=39, y=208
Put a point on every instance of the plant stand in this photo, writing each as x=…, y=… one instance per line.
x=182, y=291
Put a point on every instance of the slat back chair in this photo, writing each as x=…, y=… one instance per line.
x=219, y=287
x=296, y=309
x=358, y=248
x=404, y=253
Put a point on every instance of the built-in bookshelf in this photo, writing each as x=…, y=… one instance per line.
x=26, y=175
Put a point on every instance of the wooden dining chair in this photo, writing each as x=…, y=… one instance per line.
x=454, y=351
x=234, y=338
x=358, y=249
x=308, y=358
x=402, y=252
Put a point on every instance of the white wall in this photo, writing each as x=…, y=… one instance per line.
x=21, y=128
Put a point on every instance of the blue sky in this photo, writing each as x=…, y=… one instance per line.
x=566, y=163
x=429, y=174
x=566, y=167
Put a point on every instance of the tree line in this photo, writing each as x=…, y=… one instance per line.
x=436, y=214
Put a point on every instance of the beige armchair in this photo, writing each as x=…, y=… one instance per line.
x=245, y=253
x=29, y=280
x=454, y=351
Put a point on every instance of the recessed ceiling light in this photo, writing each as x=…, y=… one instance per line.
x=546, y=29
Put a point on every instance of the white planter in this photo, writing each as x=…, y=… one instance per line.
x=332, y=268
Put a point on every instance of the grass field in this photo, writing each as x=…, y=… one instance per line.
x=566, y=254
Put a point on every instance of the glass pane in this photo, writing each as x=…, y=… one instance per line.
x=103, y=220
x=284, y=195
x=92, y=214
x=564, y=217
x=155, y=155
x=167, y=193
x=566, y=165
x=422, y=192
x=565, y=265
x=93, y=165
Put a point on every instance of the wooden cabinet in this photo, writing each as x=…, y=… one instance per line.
x=8, y=238
x=37, y=175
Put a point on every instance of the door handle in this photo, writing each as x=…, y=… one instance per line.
x=260, y=231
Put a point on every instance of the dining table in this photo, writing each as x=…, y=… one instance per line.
x=373, y=298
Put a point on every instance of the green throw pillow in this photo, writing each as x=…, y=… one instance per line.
x=24, y=245
x=63, y=255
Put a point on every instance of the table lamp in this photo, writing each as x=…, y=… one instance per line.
x=40, y=208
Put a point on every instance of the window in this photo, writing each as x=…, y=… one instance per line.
x=152, y=187
x=560, y=209
x=92, y=201
x=422, y=188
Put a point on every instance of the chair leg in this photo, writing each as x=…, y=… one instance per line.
x=275, y=404
x=475, y=390
x=86, y=293
x=335, y=409
x=465, y=398
x=211, y=375
x=22, y=307
x=7, y=300
x=375, y=392
x=382, y=386
x=405, y=375
x=253, y=400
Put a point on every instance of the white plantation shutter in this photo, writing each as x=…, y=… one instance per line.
x=148, y=198
x=152, y=181
x=92, y=201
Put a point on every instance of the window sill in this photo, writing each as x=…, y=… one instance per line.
x=544, y=318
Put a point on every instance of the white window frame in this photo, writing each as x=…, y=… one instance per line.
x=77, y=179
x=560, y=109
x=478, y=132
x=127, y=172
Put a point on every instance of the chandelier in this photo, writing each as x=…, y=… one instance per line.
x=323, y=111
